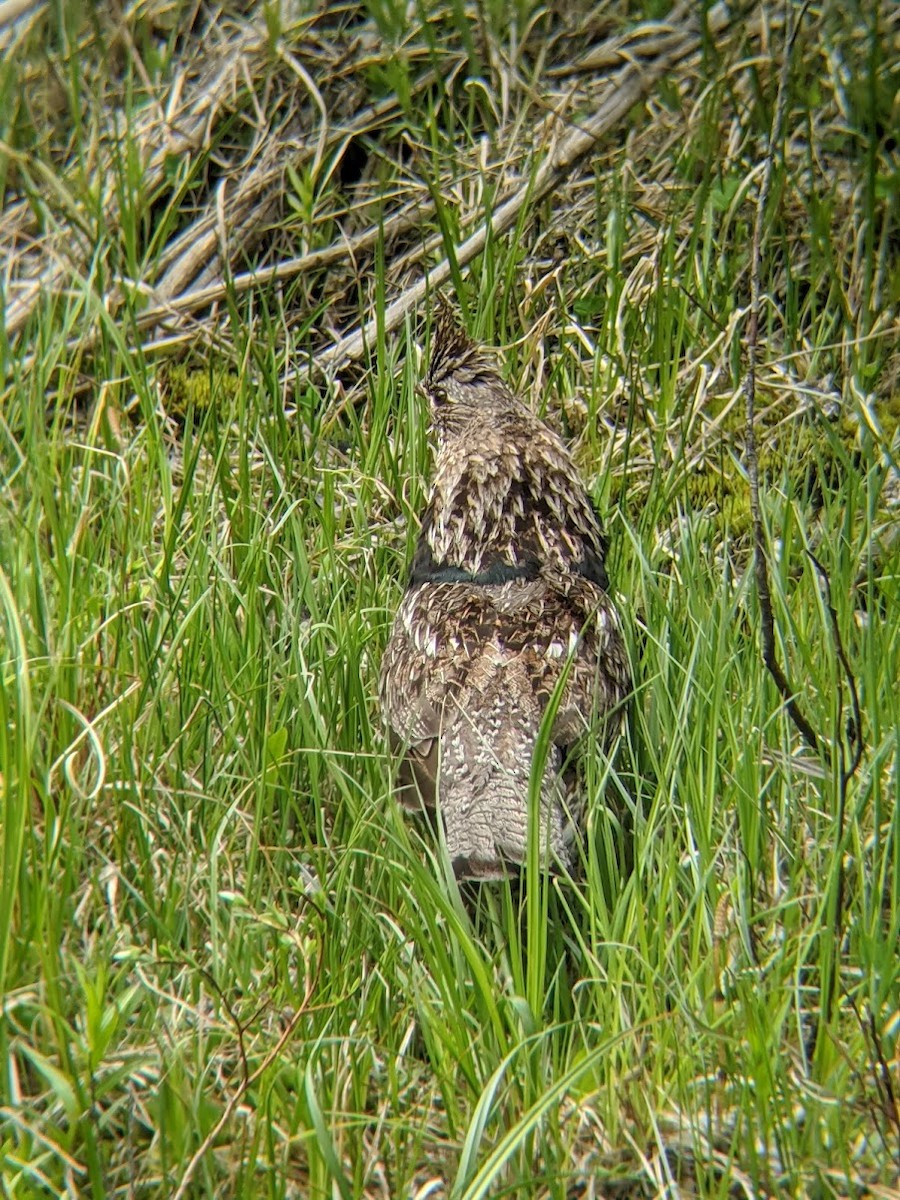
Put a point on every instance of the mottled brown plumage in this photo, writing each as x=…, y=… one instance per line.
x=507, y=589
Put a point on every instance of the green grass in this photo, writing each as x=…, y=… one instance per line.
x=198, y=569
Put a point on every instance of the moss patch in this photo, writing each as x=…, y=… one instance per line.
x=197, y=388
x=807, y=451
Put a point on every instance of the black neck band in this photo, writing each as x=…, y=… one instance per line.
x=492, y=576
x=426, y=570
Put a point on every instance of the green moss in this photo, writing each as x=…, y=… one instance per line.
x=889, y=415
x=197, y=388
x=803, y=452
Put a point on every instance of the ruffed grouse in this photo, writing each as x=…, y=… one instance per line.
x=507, y=585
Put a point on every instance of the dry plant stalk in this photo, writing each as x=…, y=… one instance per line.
x=848, y=766
x=760, y=557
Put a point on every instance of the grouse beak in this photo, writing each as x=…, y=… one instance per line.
x=422, y=391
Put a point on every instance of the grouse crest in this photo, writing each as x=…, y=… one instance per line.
x=507, y=590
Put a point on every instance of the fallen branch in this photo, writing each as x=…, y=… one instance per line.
x=630, y=85
x=158, y=135
x=176, y=125
x=169, y=315
x=201, y=255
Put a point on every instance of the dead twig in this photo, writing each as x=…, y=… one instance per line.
x=848, y=766
x=248, y=1080
x=848, y=769
x=760, y=557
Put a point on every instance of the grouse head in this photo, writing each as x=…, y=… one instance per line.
x=462, y=382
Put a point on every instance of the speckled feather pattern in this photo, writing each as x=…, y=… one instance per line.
x=507, y=589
